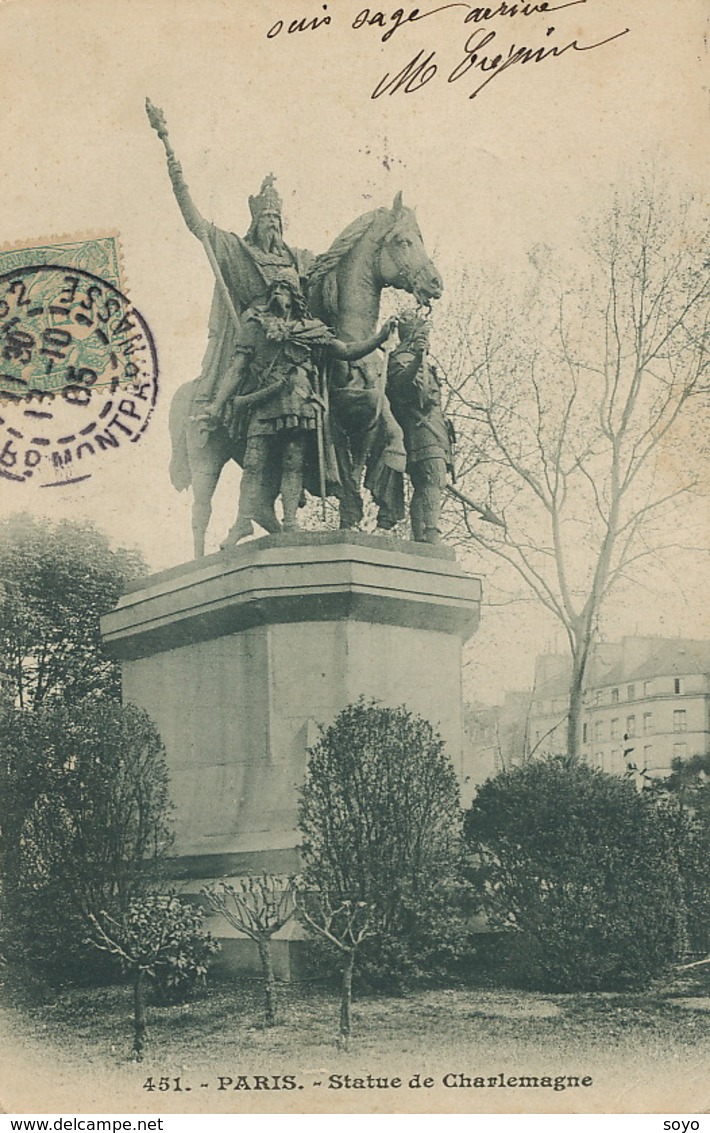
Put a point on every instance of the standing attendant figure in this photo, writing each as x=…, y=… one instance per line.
x=414, y=392
x=278, y=352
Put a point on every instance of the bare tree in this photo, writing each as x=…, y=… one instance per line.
x=572, y=406
x=155, y=931
x=344, y=924
x=257, y=906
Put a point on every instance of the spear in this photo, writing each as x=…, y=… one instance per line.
x=157, y=121
x=485, y=513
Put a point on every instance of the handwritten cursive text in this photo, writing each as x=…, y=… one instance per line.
x=422, y=69
x=374, y=18
x=495, y=64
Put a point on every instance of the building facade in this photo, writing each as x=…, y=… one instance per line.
x=647, y=703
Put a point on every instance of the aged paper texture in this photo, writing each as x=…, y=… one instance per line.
x=347, y=105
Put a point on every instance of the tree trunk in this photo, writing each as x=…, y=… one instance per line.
x=139, y=1027
x=346, y=998
x=574, y=719
x=580, y=659
x=267, y=967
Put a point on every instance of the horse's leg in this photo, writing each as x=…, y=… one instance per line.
x=204, y=482
x=349, y=498
x=207, y=456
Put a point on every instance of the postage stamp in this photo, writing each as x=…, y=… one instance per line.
x=98, y=254
x=78, y=364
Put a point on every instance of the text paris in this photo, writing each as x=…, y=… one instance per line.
x=480, y=58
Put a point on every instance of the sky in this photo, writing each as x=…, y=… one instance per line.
x=538, y=148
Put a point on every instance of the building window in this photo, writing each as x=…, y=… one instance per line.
x=676, y=686
x=647, y=723
x=600, y=760
x=680, y=751
x=615, y=696
x=631, y=692
x=647, y=754
x=599, y=730
x=680, y=721
x=615, y=728
x=630, y=726
x=597, y=697
x=647, y=687
x=585, y=731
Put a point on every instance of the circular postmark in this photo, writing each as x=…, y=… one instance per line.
x=78, y=373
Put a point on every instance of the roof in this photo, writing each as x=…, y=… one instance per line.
x=675, y=657
x=665, y=657
x=554, y=687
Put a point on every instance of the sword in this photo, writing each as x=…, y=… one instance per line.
x=320, y=437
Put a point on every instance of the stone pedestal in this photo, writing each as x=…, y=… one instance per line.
x=239, y=658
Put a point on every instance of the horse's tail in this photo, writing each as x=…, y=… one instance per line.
x=180, y=474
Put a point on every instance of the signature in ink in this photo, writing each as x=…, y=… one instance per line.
x=422, y=69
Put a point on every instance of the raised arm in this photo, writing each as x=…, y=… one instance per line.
x=193, y=219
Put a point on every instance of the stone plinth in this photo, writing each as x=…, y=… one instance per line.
x=239, y=658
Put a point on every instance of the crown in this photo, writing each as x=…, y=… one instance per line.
x=268, y=200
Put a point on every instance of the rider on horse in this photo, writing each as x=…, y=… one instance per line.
x=247, y=265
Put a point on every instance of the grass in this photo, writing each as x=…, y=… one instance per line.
x=474, y=1030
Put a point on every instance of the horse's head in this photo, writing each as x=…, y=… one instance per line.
x=403, y=261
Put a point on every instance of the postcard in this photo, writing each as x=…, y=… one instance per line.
x=218, y=218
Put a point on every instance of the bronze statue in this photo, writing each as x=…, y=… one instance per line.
x=279, y=351
x=383, y=248
x=414, y=391
x=243, y=269
x=355, y=429
x=246, y=266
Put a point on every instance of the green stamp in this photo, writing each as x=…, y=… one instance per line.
x=78, y=364
x=98, y=255
x=64, y=319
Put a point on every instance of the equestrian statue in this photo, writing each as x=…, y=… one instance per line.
x=293, y=386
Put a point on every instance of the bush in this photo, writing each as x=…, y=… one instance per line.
x=381, y=824
x=56, y=581
x=180, y=971
x=684, y=802
x=580, y=870
x=85, y=826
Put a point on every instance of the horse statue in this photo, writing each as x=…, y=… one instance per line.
x=382, y=248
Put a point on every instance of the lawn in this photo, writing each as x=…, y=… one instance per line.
x=646, y=1051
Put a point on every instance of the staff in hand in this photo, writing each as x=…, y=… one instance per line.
x=157, y=121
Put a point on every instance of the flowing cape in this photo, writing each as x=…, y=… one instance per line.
x=247, y=273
